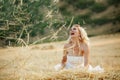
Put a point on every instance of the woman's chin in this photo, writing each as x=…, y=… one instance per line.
x=73, y=36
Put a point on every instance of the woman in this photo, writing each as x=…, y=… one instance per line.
x=76, y=51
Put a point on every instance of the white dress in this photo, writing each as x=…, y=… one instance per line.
x=77, y=62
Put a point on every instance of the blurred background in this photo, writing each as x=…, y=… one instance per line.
x=27, y=22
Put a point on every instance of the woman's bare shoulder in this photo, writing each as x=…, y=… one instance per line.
x=85, y=45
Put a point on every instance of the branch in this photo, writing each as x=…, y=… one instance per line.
x=70, y=23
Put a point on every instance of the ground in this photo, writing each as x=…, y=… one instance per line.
x=36, y=62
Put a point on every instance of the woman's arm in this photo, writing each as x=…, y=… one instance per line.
x=64, y=59
x=86, y=55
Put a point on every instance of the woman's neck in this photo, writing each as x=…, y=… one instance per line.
x=75, y=40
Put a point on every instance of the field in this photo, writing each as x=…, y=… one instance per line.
x=36, y=62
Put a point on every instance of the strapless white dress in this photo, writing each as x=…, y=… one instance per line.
x=78, y=62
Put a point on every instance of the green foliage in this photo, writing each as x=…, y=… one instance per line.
x=33, y=33
x=117, y=18
x=33, y=16
x=113, y=2
x=28, y=16
x=82, y=19
x=81, y=4
x=85, y=16
x=64, y=11
x=101, y=21
x=97, y=7
x=78, y=20
x=57, y=25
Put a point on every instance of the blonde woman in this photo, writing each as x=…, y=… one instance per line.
x=76, y=51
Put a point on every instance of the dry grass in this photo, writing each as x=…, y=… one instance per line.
x=37, y=62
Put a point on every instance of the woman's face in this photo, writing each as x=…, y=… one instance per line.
x=74, y=32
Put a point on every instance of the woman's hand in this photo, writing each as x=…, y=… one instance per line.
x=64, y=61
